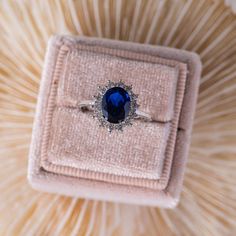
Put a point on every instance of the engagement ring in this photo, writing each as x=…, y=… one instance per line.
x=115, y=106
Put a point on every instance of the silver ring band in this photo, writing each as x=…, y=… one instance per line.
x=89, y=104
x=115, y=106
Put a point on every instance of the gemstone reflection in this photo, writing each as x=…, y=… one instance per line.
x=115, y=105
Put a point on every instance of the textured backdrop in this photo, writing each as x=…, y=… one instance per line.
x=208, y=203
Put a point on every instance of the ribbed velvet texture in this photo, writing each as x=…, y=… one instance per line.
x=145, y=163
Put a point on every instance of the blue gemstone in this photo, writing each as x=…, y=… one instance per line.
x=115, y=105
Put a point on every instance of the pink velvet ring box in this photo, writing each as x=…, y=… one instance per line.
x=71, y=154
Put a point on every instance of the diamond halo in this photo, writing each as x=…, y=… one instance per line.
x=97, y=106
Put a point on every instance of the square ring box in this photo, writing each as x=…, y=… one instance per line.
x=71, y=154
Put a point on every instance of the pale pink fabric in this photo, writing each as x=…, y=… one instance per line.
x=144, y=155
x=118, y=160
x=79, y=142
x=86, y=70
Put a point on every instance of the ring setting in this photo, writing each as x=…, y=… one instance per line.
x=115, y=106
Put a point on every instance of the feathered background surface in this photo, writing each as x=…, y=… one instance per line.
x=208, y=203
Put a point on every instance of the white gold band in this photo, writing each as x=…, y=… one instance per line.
x=88, y=105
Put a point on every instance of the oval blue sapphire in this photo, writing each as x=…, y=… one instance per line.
x=115, y=105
